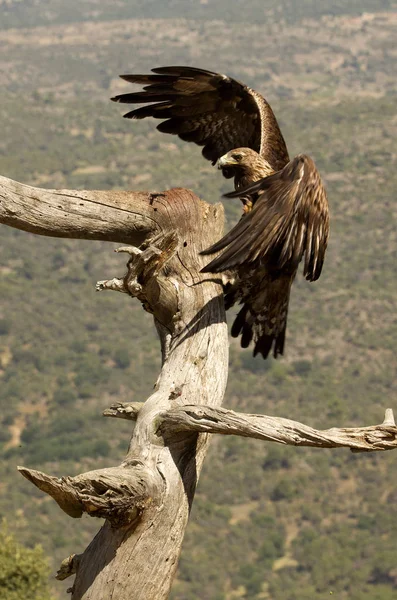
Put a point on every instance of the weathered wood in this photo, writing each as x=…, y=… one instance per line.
x=136, y=558
x=68, y=567
x=124, y=410
x=118, y=494
x=195, y=366
x=276, y=429
x=121, y=217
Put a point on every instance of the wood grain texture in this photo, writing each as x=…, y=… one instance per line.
x=195, y=365
x=277, y=429
x=146, y=500
x=123, y=217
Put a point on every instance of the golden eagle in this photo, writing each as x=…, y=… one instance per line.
x=285, y=204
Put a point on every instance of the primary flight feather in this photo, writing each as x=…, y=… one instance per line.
x=285, y=204
x=209, y=109
x=289, y=220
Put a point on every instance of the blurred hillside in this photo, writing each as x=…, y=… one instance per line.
x=29, y=13
x=268, y=522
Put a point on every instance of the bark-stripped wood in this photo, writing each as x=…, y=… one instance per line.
x=146, y=499
x=276, y=429
x=136, y=558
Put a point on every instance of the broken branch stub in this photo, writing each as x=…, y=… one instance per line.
x=68, y=567
x=124, y=410
x=118, y=494
x=145, y=281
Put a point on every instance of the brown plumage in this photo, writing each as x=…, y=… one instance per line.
x=285, y=205
x=289, y=220
x=247, y=166
x=209, y=109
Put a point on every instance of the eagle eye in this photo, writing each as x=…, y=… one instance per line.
x=237, y=156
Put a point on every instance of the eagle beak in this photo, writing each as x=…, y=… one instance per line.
x=225, y=161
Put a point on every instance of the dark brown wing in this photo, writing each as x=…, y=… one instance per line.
x=209, y=109
x=290, y=219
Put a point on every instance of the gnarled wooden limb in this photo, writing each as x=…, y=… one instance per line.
x=124, y=217
x=276, y=429
x=119, y=494
x=68, y=567
x=166, y=233
x=144, y=279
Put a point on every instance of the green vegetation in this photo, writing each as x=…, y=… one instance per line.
x=269, y=522
x=23, y=571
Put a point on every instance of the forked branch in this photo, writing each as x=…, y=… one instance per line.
x=276, y=429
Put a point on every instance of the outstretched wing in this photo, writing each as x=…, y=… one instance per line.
x=209, y=109
x=290, y=219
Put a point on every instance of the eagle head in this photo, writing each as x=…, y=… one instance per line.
x=237, y=158
x=244, y=163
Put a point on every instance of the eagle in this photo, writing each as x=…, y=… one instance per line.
x=285, y=216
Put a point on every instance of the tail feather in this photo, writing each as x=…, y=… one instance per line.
x=263, y=319
x=246, y=336
x=265, y=343
x=239, y=321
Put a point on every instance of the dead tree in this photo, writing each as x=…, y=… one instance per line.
x=145, y=501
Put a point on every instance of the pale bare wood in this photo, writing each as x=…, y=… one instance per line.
x=121, y=217
x=119, y=494
x=194, y=340
x=389, y=417
x=187, y=306
x=276, y=429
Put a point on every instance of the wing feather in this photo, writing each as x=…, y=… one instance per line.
x=290, y=219
x=209, y=109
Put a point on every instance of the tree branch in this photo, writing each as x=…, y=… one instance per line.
x=146, y=500
x=276, y=429
x=118, y=494
x=122, y=217
x=68, y=567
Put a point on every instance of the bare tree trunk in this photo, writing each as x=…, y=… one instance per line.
x=146, y=500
